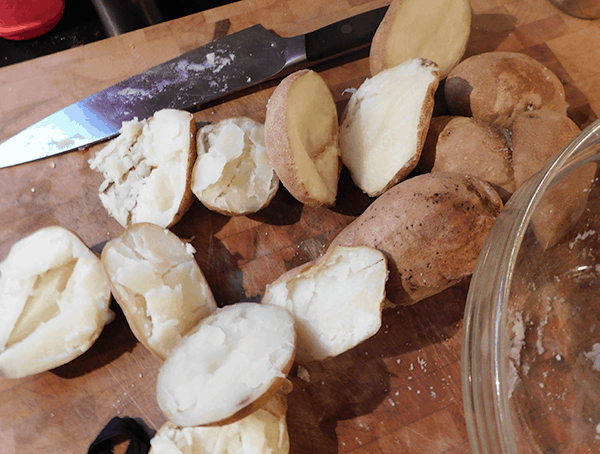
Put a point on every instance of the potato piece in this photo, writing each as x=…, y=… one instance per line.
x=474, y=147
x=437, y=30
x=495, y=86
x=431, y=228
x=232, y=174
x=229, y=366
x=538, y=137
x=301, y=134
x=158, y=284
x=427, y=158
x=264, y=431
x=336, y=300
x=385, y=124
x=54, y=302
x=148, y=168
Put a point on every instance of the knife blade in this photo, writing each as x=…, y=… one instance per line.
x=222, y=67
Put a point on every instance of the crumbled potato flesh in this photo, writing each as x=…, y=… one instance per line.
x=233, y=171
x=230, y=361
x=264, y=431
x=312, y=127
x=145, y=169
x=336, y=304
x=437, y=30
x=163, y=284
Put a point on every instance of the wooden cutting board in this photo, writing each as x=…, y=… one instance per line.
x=400, y=391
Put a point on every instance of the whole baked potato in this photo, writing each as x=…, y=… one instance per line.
x=431, y=227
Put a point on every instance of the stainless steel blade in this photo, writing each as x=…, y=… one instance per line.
x=221, y=67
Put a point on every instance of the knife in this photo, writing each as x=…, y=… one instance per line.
x=222, y=67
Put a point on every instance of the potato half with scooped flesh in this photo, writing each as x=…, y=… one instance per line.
x=148, y=169
x=437, y=30
x=385, y=125
x=233, y=174
x=229, y=366
x=335, y=300
x=301, y=134
x=264, y=431
x=158, y=284
x=54, y=302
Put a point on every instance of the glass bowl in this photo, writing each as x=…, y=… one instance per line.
x=531, y=336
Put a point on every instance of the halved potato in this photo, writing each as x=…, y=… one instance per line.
x=301, y=134
x=147, y=169
x=264, y=431
x=54, y=302
x=335, y=300
x=233, y=174
x=437, y=30
x=158, y=284
x=385, y=124
x=229, y=366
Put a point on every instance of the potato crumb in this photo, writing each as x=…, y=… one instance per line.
x=303, y=374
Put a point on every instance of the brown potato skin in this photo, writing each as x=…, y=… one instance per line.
x=474, y=147
x=427, y=158
x=431, y=228
x=188, y=196
x=538, y=137
x=495, y=86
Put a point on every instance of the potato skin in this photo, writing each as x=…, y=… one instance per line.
x=474, y=147
x=495, y=86
x=188, y=197
x=431, y=227
x=538, y=137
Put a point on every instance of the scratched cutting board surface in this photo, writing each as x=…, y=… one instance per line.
x=400, y=391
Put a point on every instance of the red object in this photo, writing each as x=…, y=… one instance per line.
x=26, y=19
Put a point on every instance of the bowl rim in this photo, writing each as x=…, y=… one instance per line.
x=486, y=407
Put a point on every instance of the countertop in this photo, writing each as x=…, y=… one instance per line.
x=399, y=391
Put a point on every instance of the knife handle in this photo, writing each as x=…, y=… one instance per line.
x=348, y=34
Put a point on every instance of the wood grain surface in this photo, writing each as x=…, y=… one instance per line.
x=400, y=391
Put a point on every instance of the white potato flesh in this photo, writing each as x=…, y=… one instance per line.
x=384, y=122
x=228, y=362
x=336, y=303
x=145, y=168
x=54, y=302
x=262, y=432
x=158, y=284
x=233, y=172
